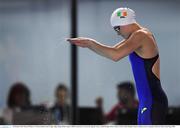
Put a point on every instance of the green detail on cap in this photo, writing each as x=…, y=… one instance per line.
x=119, y=13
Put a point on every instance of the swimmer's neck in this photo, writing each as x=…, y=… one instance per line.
x=132, y=28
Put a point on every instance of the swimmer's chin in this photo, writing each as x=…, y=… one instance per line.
x=125, y=37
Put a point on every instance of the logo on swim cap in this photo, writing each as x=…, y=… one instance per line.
x=122, y=16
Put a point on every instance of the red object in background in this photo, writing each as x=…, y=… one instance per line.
x=111, y=116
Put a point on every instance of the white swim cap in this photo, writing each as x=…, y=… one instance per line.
x=122, y=16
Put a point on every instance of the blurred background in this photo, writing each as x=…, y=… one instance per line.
x=35, y=60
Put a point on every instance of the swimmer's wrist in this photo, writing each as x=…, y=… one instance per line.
x=91, y=42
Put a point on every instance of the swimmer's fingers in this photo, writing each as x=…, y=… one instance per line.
x=73, y=40
x=82, y=42
x=77, y=39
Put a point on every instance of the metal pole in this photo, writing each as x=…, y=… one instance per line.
x=74, y=64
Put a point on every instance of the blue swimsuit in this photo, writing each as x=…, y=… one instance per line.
x=153, y=103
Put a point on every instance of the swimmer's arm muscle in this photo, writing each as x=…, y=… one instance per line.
x=127, y=46
x=115, y=52
x=119, y=50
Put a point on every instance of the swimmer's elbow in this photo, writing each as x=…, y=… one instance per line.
x=116, y=58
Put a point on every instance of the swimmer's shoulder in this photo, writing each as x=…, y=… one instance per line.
x=140, y=34
x=147, y=32
x=148, y=43
x=144, y=33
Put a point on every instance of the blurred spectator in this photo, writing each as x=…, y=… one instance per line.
x=99, y=105
x=61, y=109
x=19, y=96
x=126, y=98
x=2, y=122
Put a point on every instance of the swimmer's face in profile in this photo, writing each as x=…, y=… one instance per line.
x=124, y=31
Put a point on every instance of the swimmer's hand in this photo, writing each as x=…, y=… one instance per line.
x=103, y=50
x=81, y=41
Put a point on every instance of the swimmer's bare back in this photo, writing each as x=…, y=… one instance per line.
x=149, y=49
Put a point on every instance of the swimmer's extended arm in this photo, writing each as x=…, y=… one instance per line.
x=114, y=53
